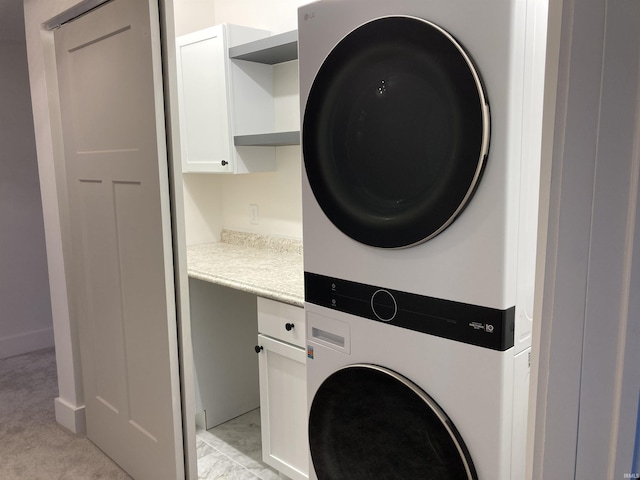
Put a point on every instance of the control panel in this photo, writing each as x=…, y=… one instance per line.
x=478, y=325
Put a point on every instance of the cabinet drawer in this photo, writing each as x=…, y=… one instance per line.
x=281, y=321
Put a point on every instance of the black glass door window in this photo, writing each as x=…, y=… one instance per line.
x=367, y=422
x=395, y=132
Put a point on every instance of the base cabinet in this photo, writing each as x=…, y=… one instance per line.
x=283, y=404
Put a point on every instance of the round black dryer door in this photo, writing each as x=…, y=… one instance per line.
x=370, y=422
x=395, y=132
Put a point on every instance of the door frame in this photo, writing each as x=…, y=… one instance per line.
x=584, y=376
x=69, y=405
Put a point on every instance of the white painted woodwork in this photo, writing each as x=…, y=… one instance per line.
x=219, y=98
x=273, y=318
x=109, y=73
x=585, y=410
x=283, y=389
x=203, y=103
x=223, y=322
x=534, y=70
x=187, y=376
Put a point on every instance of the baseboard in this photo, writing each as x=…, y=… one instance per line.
x=69, y=416
x=26, y=342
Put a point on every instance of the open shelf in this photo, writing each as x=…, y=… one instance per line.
x=277, y=139
x=270, y=50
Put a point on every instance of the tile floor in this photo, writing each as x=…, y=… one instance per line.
x=233, y=451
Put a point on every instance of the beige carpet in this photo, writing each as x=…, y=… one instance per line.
x=32, y=445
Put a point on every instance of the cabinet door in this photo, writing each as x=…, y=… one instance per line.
x=283, y=407
x=203, y=105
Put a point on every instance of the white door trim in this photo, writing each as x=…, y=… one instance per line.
x=586, y=323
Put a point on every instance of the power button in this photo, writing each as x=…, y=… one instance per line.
x=384, y=306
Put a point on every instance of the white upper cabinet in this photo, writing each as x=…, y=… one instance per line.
x=226, y=105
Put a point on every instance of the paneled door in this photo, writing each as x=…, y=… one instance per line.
x=110, y=82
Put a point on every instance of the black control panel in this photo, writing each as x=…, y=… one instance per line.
x=482, y=326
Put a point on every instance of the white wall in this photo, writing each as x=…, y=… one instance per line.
x=278, y=194
x=25, y=315
x=192, y=15
x=214, y=202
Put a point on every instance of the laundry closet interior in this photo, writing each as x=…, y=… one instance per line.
x=360, y=184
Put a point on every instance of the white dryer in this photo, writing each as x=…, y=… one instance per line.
x=412, y=130
x=411, y=116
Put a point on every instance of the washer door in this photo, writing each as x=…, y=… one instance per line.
x=369, y=422
x=395, y=132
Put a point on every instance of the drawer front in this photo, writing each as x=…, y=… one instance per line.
x=281, y=321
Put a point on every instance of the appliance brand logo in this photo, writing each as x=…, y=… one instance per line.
x=487, y=327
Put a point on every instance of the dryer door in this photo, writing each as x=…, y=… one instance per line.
x=395, y=132
x=369, y=422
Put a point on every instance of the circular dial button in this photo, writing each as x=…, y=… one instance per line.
x=384, y=306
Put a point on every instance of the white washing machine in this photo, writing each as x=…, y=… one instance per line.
x=412, y=137
x=390, y=403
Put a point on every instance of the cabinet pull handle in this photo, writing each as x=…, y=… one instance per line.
x=224, y=162
x=289, y=326
x=259, y=348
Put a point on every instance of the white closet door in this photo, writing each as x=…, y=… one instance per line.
x=109, y=72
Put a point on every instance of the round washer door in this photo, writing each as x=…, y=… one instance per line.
x=395, y=132
x=370, y=422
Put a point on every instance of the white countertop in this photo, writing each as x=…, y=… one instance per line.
x=269, y=267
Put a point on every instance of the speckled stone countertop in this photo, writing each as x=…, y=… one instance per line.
x=269, y=267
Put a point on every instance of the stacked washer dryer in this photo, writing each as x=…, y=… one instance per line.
x=412, y=130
